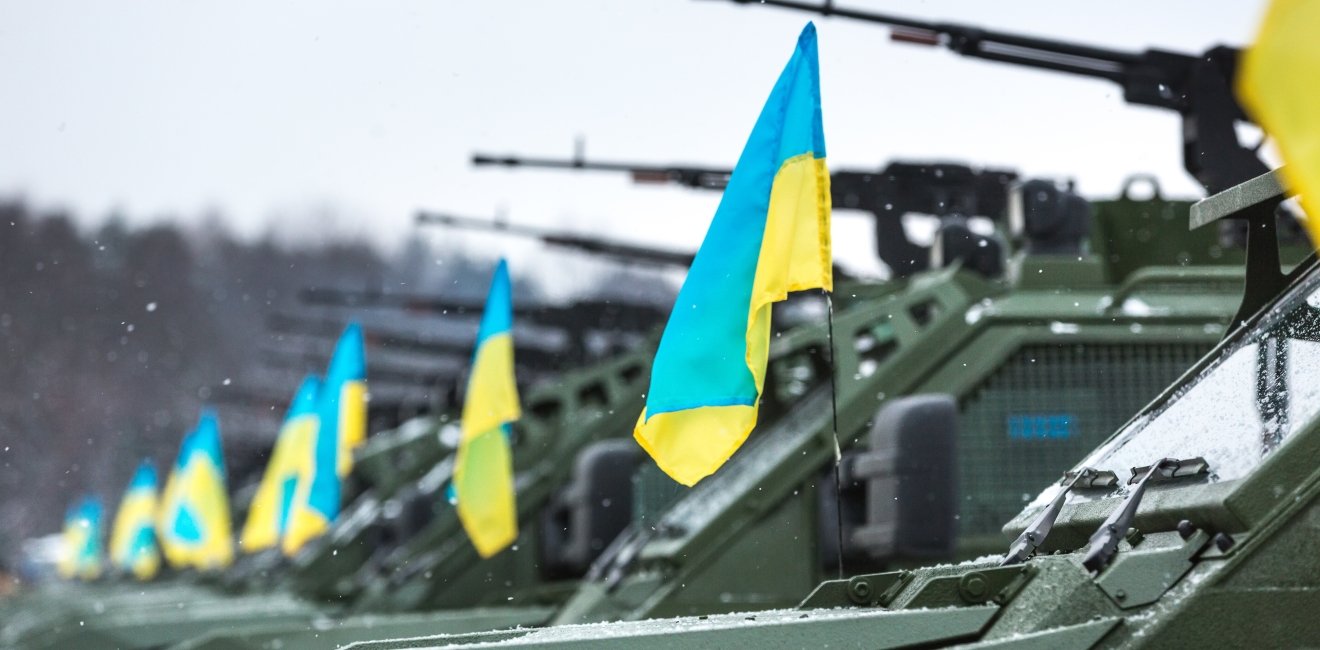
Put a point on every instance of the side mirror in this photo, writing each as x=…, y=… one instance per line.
x=591, y=510
x=900, y=497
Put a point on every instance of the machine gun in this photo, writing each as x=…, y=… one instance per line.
x=660, y=258
x=944, y=190
x=626, y=253
x=587, y=324
x=1197, y=87
x=685, y=175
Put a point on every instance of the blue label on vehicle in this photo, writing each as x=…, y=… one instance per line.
x=1052, y=426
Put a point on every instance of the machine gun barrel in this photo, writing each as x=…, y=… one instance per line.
x=900, y=188
x=352, y=298
x=1146, y=76
x=629, y=253
x=686, y=175
x=1198, y=87
x=328, y=328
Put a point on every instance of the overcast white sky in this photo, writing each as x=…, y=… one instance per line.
x=279, y=113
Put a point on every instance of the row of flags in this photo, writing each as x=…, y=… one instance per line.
x=188, y=524
x=770, y=236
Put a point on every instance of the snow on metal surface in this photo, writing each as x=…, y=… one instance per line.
x=1241, y=408
x=624, y=630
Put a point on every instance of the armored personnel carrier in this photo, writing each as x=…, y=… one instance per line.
x=1102, y=331
x=700, y=554
x=1189, y=526
x=1083, y=316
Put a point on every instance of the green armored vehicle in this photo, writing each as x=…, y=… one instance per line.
x=1126, y=239
x=1190, y=526
x=1034, y=369
x=872, y=538
x=1169, y=315
x=1081, y=314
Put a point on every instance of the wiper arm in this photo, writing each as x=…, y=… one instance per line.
x=1104, y=541
x=1026, y=544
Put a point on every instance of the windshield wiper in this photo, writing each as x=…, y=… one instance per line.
x=1103, y=544
x=1026, y=544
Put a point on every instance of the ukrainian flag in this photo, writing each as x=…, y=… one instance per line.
x=133, y=546
x=770, y=235
x=1280, y=87
x=81, y=556
x=194, y=522
x=341, y=412
x=483, y=468
x=171, y=501
x=290, y=463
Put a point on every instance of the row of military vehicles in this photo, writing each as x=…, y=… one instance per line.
x=1063, y=423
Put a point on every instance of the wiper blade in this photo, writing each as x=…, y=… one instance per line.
x=1103, y=544
x=1030, y=540
x=1169, y=469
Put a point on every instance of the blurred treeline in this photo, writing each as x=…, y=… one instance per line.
x=112, y=338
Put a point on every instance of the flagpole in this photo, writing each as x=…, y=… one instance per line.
x=834, y=411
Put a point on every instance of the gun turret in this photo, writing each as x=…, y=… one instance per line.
x=1198, y=87
x=900, y=188
x=626, y=253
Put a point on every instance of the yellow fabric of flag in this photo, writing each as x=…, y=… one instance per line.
x=1279, y=85
x=483, y=467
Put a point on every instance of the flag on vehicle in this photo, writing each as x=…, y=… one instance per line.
x=80, y=556
x=194, y=524
x=483, y=467
x=770, y=235
x=341, y=413
x=290, y=463
x=133, y=547
x=1279, y=85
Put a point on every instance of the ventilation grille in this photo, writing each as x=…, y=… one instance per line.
x=1044, y=410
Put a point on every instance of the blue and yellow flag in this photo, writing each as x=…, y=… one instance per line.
x=770, y=235
x=341, y=413
x=194, y=524
x=169, y=512
x=80, y=556
x=133, y=547
x=290, y=464
x=483, y=468
x=1279, y=85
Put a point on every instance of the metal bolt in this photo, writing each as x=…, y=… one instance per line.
x=973, y=588
x=1186, y=529
x=859, y=590
x=1223, y=542
x=976, y=586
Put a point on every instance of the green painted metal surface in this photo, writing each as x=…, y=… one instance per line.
x=1073, y=340
x=333, y=633
x=772, y=629
x=1217, y=559
x=1070, y=347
